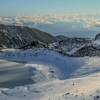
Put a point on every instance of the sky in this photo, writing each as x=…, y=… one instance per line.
x=58, y=17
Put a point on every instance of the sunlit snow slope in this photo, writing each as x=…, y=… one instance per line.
x=56, y=77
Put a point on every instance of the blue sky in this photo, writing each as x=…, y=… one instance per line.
x=53, y=16
x=24, y=7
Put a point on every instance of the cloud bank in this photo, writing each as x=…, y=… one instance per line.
x=86, y=20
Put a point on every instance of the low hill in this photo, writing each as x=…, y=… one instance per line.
x=61, y=37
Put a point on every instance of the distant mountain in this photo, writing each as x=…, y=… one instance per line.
x=61, y=37
x=96, y=41
x=92, y=49
x=20, y=36
x=97, y=37
x=17, y=36
x=71, y=45
x=86, y=51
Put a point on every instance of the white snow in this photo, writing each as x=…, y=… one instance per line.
x=95, y=42
x=56, y=77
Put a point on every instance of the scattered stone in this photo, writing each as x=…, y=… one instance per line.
x=76, y=95
x=67, y=93
x=24, y=95
x=97, y=96
x=90, y=95
x=97, y=91
x=52, y=71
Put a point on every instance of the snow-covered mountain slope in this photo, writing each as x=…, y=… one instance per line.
x=71, y=45
x=87, y=51
x=78, y=47
x=87, y=88
x=96, y=41
x=91, y=49
x=61, y=66
x=56, y=77
x=18, y=36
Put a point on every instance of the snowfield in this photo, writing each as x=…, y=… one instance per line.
x=55, y=76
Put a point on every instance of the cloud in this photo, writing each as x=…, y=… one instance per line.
x=86, y=20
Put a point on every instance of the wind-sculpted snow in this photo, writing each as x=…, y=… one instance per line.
x=56, y=77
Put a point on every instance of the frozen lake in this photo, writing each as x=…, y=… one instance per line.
x=14, y=74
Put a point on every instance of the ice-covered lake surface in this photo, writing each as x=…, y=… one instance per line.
x=14, y=74
x=54, y=76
